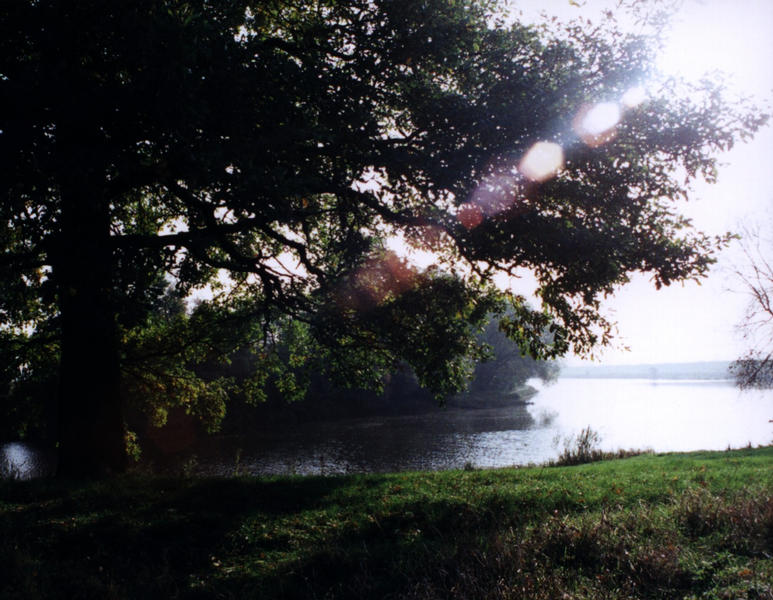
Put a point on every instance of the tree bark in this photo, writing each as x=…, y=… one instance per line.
x=91, y=437
x=91, y=426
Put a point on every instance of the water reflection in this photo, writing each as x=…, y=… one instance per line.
x=665, y=415
x=446, y=439
x=19, y=460
x=661, y=415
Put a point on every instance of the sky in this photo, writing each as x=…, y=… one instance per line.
x=690, y=322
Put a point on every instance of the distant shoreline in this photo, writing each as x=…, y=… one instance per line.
x=704, y=370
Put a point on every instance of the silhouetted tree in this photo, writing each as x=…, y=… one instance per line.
x=755, y=368
x=266, y=149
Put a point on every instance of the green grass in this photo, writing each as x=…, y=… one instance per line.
x=696, y=525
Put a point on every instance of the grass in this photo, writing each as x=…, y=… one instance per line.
x=697, y=525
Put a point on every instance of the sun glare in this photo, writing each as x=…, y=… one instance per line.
x=601, y=118
x=634, y=97
x=596, y=124
x=542, y=161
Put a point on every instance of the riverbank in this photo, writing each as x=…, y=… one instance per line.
x=653, y=526
x=521, y=396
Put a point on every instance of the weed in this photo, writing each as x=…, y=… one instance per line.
x=583, y=448
x=579, y=449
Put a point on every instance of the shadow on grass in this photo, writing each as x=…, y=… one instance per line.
x=380, y=558
x=131, y=537
x=185, y=539
x=650, y=527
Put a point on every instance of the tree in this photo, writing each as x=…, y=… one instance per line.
x=755, y=368
x=268, y=149
x=508, y=367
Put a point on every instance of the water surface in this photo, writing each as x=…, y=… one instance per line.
x=661, y=415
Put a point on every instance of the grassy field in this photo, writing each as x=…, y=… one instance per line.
x=696, y=525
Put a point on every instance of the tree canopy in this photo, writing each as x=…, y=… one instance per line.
x=267, y=150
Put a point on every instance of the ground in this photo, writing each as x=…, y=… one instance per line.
x=697, y=525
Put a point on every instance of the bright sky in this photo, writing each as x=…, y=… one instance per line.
x=691, y=322
x=685, y=323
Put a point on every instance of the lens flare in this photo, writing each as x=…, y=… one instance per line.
x=470, y=215
x=601, y=118
x=379, y=278
x=496, y=193
x=595, y=124
x=634, y=97
x=542, y=161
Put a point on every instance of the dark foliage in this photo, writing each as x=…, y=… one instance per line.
x=280, y=144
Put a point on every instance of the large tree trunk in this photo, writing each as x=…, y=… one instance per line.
x=91, y=426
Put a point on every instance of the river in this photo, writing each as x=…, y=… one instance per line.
x=661, y=415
